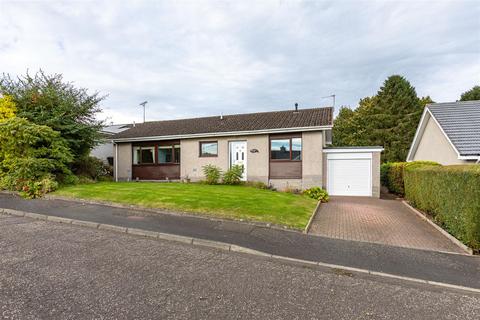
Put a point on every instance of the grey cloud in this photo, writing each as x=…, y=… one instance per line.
x=202, y=58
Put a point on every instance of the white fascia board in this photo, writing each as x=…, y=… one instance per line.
x=418, y=134
x=222, y=134
x=469, y=158
x=353, y=150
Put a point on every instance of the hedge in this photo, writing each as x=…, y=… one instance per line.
x=391, y=174
x=451, y=194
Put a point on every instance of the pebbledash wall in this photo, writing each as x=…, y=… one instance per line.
x=257, y=163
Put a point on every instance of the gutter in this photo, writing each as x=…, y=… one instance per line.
x=220, y=134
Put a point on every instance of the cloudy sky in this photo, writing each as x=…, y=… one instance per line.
x=195, y=58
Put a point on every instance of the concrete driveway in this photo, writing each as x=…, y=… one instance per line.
x=385, y=221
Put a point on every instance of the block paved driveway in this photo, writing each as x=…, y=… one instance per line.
x=385, y=221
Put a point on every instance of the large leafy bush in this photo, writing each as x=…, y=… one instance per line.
x=49, y=100
x=92, y=168
x=31, y=157
x=451, y=194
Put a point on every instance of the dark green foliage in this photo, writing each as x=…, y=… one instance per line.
x=92, y=168
x=233, y=175
x=32, y=157
x=388, y=119
x=48, y=100
x=317, y=193
x=392, y=174
x=472, y=94
x=212, y=173
x=451, y=194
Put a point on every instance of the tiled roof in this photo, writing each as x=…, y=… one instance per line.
x=461, y=123
x=232, y=123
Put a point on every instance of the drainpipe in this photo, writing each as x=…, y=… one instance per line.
x=116, y=162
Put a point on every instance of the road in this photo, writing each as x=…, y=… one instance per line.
x=56, y=271
x=461, y=270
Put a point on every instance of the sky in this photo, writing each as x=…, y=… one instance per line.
x=200, y=58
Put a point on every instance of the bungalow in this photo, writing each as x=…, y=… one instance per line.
x=286, y=149
x=448, y=133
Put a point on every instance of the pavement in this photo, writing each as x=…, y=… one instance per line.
x=455, y=269
x=57, y=271
x=385, y=221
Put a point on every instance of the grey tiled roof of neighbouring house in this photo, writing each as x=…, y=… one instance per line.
x=115, y=128
x=314, y=117
x=461, y=123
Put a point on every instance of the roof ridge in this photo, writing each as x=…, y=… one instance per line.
x=237, y=114
x=474, y=102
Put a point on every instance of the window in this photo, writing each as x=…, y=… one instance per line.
x=143, y=155
x=280, y=149
x=286, y=149
x=296, y=148
x=177, y=153
x=165, y=154
x=208, y=149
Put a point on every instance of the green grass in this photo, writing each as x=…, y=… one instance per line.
x=231, y=202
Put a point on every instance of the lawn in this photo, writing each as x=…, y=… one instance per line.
x=223, y=201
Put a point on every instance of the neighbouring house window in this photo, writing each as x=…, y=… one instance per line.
x=110, y=160
x=143, y=155
x=177, y=153
x=286, y=149
x=208, y=149
x=165, y=154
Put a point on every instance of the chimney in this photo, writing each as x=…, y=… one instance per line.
x=296, y=107
x=134, y=124
x=221, y=115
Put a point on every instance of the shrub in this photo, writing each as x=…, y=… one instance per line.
x=31, y=157
x=317, y=193
x=451, y=194
x=233, y=175
x=212, y=173
x=92, y=168
x=392, y=174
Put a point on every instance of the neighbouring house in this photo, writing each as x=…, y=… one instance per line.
x=287, y=149
x=104, y=150
x=448, y=133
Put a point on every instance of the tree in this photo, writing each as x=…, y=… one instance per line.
x=31, y=154
x=48, y=100
x=472, y=94
x=7, y=108
x=388, y=119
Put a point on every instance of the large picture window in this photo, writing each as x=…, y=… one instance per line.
x=143, y=155
x=208, y=148
x=286, y=149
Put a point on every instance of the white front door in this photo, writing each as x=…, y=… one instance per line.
x=238, y=155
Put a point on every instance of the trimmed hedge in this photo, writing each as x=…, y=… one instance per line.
x=391, y=174
x=451, y=194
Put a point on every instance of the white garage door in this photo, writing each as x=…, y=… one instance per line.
x=349, y=174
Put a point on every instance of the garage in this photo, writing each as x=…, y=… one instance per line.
x=353, y=171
